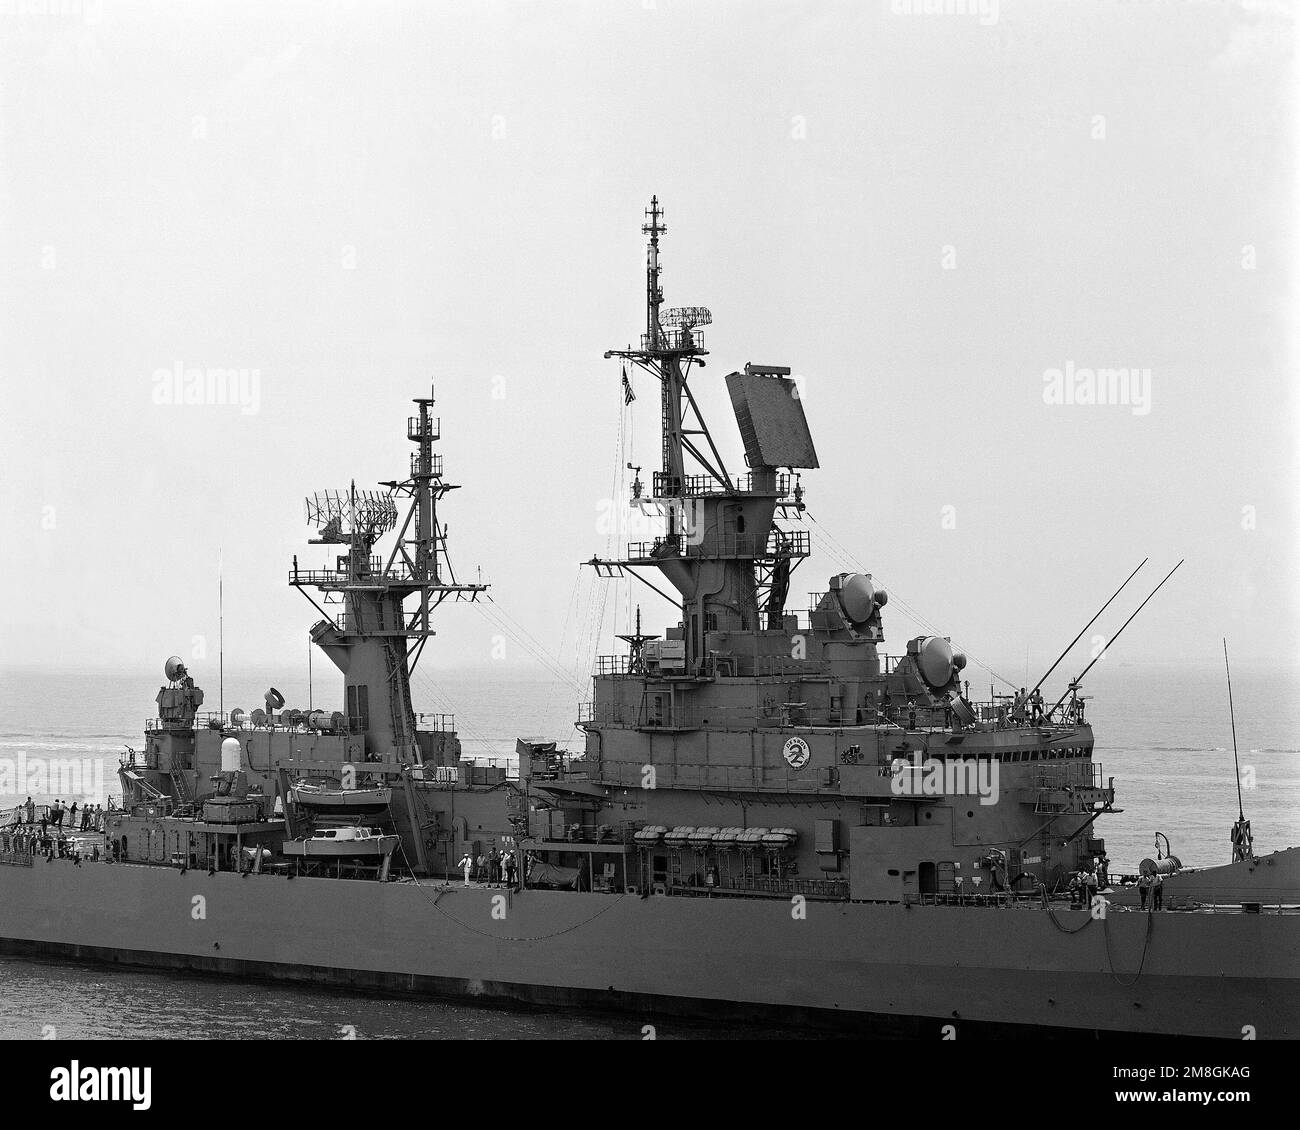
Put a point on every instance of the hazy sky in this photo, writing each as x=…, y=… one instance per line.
x=922, y=215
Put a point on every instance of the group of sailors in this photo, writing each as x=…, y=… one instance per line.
x=492, y=867
x=1027, y=708
x=1027, y=703
x=888, y=712
x=88, y=818
x=47, y=830
x=1154, y=886
x=24, y=840
x=1087, y=882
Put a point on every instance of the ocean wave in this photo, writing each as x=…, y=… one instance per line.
x=1212, y=749
x=56, y=747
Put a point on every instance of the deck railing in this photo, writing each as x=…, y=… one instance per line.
x=435, y=469
x=417, y=428
x=776, y=544
x=664, y=485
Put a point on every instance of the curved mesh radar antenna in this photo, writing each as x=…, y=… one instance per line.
x=686, y=317
x=174, y=669
x=339, y=515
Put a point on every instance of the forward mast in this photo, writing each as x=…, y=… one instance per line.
x=368, y=633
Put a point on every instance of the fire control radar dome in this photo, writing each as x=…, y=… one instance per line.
x=937, y=661
x=858, y=598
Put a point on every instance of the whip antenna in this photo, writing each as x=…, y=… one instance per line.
x=1079, y=678
x=221, y=640
x=1241, y=837
x=1086, y=626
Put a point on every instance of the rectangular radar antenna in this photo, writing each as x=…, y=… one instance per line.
x=769, y=413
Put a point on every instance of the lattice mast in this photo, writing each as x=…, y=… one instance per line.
x=426, y=552
x=722, y=550
x=672, y=343
x=371, y=637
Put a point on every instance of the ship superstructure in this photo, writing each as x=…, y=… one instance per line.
x=758, y=750
x=296, y=769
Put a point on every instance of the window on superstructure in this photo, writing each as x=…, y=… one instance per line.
x=358, y=702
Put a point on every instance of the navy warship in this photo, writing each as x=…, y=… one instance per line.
x=771, y=817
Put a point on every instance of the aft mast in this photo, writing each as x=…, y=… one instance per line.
x=722, y=549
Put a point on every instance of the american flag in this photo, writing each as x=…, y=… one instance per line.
x=628, y=394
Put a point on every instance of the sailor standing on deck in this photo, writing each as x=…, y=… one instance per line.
x=466, y=863
x=1157, y=891
x=1089, y=888
x=1074, y=886
x=1018, y=709
x=1144, y=888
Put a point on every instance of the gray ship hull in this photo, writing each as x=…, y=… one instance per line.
x=879, y=967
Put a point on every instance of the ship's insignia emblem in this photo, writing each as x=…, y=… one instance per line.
x=796, y=753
